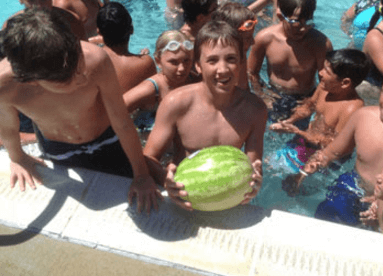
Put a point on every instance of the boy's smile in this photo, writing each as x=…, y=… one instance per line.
x=219, y=65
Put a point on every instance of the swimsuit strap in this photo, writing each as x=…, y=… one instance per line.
x=155, y=85
x=376, y=28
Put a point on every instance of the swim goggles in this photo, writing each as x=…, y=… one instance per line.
x=174, y=45
x=308, y=23
x=248, y=25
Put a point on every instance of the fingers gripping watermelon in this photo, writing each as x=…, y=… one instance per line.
x=216, y=178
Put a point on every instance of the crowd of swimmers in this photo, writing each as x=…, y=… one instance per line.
x=69, y=72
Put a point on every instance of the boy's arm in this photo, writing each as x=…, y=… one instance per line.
x=255, y=60
x=254, y=150
x=343, y=144
x=22, y=165
x=258, y=5
x=143, y=185
x=161, y=136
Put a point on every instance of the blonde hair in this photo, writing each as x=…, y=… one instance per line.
x=165, y=38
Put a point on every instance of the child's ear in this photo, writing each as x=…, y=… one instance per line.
x=279, y=15
x=198, y=67
x=346, y=82
x=158, y=61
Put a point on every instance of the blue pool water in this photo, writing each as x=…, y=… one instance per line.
x=149, y=22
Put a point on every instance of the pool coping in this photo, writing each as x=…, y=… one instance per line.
x=74, y=206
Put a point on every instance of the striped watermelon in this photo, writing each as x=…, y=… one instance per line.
x=216, y=178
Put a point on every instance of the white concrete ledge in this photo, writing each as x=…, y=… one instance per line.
x=90, y=208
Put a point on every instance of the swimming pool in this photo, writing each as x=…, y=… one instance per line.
x=149, y=22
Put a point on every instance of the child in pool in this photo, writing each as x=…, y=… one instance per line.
x=363, y=131
x=75, y=100
x=174, y=58
x=243, y=20
x=333, y=102
x=196, y=13
x=115, y=26
x=295, y=51
x=212, y=112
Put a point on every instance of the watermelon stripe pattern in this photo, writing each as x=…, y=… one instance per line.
x=216, y=178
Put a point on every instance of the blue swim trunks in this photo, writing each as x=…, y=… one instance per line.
x=103, y=154
x=342, y=203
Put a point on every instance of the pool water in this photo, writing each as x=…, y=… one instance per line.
x=148, y=21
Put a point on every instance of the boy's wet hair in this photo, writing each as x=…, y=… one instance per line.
x=213, y=32
x=114, y=24
x=288, y=7
x=165, y=38
x=193, y=8
x=40, y=45
x=349, y=63
x=233, y=13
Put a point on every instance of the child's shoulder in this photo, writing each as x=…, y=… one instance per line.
x=253, y=102
x=181, y=97
x=269, y=33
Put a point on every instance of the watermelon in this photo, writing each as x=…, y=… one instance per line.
x=216, y=178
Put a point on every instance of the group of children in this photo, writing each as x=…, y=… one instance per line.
x=79, y=96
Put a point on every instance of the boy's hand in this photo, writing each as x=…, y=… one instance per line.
x=146, y=191
x=378, y=191
x=292, y=183
x=370, y=217
x=284, y=126
x=25, y=171
x=256, y=182
x=175, y=189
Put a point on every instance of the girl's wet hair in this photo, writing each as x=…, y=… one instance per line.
x=213, y=32
x=349, y=63
x=288, y=7
x=114, y=23
x=40, y=45
x=164, y=39
x=233, y=13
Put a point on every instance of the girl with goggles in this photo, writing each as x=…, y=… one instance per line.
x=174, y=59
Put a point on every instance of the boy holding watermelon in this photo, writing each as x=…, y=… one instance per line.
x=212, y=112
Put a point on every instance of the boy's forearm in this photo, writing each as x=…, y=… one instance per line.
x=301, y=112
x=156, y=170
x=11, y=141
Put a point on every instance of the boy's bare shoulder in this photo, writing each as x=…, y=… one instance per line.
x=181, y=98
x=255, y=102
x=268, y=34
x=317, y=38
x=7, y=82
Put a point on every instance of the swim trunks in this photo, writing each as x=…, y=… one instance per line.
x=282, y=107
x=342, y=203
x=26, y=124
x=103, y=154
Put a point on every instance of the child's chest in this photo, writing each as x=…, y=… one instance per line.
x=205, y=129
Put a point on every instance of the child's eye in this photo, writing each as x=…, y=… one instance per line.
x=232, y=59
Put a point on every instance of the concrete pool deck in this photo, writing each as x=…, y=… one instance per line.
x=89, y=209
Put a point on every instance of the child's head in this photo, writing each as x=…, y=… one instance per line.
x=240, y=18
x=174, y=55
x=193, y=8
x=114, y=24
x=349, y=63
x=307, y=8
x=214, y=32
x=40, y=45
